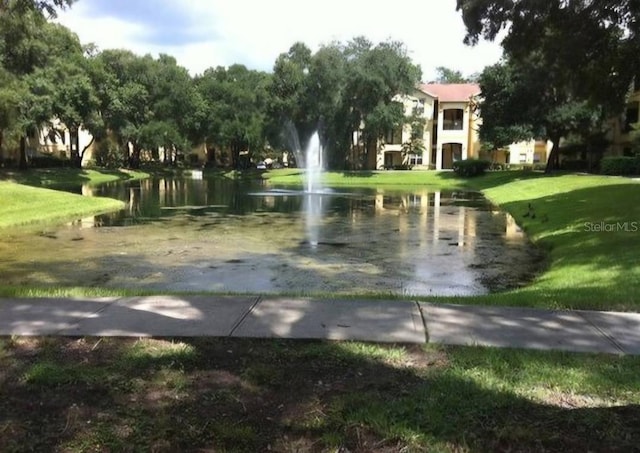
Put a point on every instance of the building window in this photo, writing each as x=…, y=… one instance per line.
x=418, y=107
x=523, y=157
x=536, y=158
x=631, y=117
x=453, y=120
x=394, y=136
x=415, y=159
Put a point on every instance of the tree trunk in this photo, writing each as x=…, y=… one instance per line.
x=22, y=165
x=211, y=157
x=235, y=156
x=124, y=145
x=370, y=154
x=74, y=138
x=84, y=150
x=134, y=160
x=553, y=162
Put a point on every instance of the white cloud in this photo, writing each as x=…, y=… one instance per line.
x=255, y=33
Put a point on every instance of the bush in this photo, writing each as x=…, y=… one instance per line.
x=620, y=165
x=107, y=154
x=471, y=167
x=47, y=161
x=398, y=167
x=574, y=165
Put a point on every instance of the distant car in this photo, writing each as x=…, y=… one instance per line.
x=261, y=166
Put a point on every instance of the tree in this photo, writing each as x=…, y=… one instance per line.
x=523, y=100
x=74, y=99
x=578, y=54
x=11, y=93
x=342, y=89
x=595, y=43
x=504, y=121
x=125, y=95
x=29, y=43
x=447, y=75
x=236, y=99
x=325, y=93
x=375, y=76
x=48, y=7
x=290, y=98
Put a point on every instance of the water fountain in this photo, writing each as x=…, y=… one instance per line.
x=314, y=192
x=313, y=161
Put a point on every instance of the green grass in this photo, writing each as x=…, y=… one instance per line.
x=204, y=394
x=66, y=177
x=25, y=205
x=26, y=200
x=401, y=179
x=586, y=269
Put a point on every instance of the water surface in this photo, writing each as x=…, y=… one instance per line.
x=222, y=235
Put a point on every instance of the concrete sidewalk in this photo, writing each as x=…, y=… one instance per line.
x=340, y=319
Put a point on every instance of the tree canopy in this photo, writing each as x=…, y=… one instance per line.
x=448, y=75
x=572, y=63
x=595, y=43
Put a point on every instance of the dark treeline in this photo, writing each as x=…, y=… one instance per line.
x=130, y=103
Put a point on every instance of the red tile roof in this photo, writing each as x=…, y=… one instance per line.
x=451, y=92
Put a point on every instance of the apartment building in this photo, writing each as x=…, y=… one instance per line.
x=450, y=131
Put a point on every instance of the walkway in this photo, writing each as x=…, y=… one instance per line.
x=342, y=319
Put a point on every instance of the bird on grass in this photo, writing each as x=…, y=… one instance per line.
x=530, y=212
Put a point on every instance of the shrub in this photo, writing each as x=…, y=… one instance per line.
x=471, y=167
x=107, y=154
x=574, y=165
x=402, y=167
x=620, y=165
x=47, y=161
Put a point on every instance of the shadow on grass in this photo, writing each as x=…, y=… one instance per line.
x=490, y=179
x=590, y=235
x=57, y=177
x=270, y=395
x=358, y=174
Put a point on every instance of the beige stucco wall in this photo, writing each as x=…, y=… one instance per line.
x=415, y=99
x=618, y=137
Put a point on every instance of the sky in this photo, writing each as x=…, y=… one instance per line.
x=209, y=33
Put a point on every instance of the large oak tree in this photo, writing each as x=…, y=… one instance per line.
x=583, y=53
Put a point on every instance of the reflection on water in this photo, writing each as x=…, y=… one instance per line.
x=220, y=235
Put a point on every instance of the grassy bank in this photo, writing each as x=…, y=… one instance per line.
x=588, y=225
x=60, y=177
x=401, y=179
x=239, y=395
x=25, y=205
x=25, y=202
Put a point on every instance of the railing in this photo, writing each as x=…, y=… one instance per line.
x=452, y=125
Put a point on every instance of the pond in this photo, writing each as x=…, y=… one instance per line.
x=222, y=235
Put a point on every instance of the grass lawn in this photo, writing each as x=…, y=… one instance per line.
x=223, y=394
x=24, y=205
x=25, y=202
x=90, y=394
x=590, y=226
x=588, y=269
x=60, y=177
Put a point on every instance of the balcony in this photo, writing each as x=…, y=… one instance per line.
x=453, y=120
